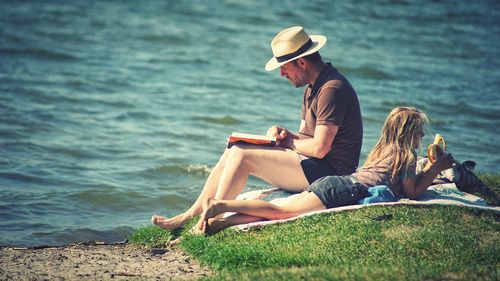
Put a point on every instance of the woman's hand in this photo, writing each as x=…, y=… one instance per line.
x=434, y=152
x=445, y=161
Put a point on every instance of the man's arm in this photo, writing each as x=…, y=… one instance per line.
x=281, y=133
x=318, y=146
x=301, y=129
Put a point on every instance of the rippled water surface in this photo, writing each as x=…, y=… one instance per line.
x=112, y=111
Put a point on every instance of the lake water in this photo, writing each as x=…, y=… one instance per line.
x=113, y=111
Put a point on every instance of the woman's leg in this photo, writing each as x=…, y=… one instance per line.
x=215, y=225
x=303, y=203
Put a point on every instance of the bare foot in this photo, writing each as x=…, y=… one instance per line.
x=215, y=225
x=172, y=223
x=210, y=210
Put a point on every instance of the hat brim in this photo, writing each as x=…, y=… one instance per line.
x=318, y=42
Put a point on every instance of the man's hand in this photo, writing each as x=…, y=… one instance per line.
x=279, y=133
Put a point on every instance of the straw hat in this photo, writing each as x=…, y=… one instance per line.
x=293, y=43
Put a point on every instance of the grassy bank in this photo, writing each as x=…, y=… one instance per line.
x=373, y=243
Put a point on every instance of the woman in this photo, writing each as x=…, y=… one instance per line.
x=392, y=162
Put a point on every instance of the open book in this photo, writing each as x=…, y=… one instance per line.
x=250, y=138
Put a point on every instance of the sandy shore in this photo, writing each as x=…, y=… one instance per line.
x=97, y=261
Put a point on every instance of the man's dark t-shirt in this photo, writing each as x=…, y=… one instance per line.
x=332, y=100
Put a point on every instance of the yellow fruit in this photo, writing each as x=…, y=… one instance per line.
x=432, y=149
x=439, y=140
x=432, y=152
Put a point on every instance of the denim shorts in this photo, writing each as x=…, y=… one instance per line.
x=337, y=191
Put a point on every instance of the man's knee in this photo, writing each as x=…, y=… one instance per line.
x=236, y=153
x=222, y=159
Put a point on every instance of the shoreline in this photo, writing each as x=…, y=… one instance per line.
x=98, y=260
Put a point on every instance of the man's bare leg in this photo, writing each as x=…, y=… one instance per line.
x=275, y=165
x=208, y=190
x=278, y=166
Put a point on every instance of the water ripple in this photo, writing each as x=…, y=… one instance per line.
x=42, y=54
x=225, y=120
x=194, y=169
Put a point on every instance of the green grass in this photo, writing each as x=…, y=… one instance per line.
x=492, y=181
x=428, y=242
x=151, y=236
x=373, y=243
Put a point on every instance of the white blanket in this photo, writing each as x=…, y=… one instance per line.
x=442, y=194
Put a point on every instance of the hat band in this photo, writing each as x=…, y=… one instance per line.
x=301, y=50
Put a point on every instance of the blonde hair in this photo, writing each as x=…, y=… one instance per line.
x=398, y=138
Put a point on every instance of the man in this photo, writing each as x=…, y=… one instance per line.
x=328, y=142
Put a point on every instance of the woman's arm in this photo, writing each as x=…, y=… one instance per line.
x=413, y=187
